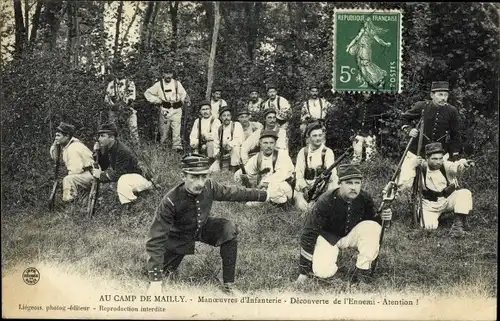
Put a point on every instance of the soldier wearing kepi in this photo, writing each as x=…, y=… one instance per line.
x=342, y=218
x=118, y=164
x=312, y=160
x=230, y=137
x=183, y=217
x=77, y=158
x=440, y=191
x=169, y=94
x=271, y=169
x=441, y=124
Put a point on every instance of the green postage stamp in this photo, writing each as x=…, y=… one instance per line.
x=367, y=50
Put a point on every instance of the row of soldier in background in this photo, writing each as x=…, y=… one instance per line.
x=171, y=98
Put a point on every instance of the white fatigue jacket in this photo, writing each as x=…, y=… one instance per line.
x=278, y=103
x=250, y=129
x=253, y=141
x=282, y=170
x=314, y=160
x=314, y=109
x=217, y=105
x=234, y=138
x=156, y=95
x=120, y=90
x=209, y=132
x=255, y=107
x=75, y=155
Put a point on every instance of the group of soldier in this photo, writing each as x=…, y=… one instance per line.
x=344, y=215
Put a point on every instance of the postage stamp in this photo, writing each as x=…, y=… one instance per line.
x=367, y=50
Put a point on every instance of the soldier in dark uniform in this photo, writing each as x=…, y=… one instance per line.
x=341, y=218
x=183, y=217
x=441, y=124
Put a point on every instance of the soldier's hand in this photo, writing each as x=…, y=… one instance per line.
x=154, y=288
x=209, y=137
x=305, y=190
x=413, y=132
x=96, y=172
x=419, y=161
x=387, y=192
x=386, y=214
x=263, y=185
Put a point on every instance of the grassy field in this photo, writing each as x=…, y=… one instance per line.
x=112, y=244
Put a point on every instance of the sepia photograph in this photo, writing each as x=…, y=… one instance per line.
x=249, y=160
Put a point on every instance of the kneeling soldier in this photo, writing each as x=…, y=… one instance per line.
x=341, y=218
x=183, y=217
x=312, y=160
x=230, y=137
x=203, y=138
x=271, y=169
x=78, y=160
x=440, y=192
x=119, y=165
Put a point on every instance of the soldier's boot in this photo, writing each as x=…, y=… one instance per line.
x=457, y=229
x=361, y=278
x=230, y=289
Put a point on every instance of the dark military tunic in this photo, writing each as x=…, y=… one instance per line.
x=118, y=160
x=333, y=218
x=181, y=218
x=365, y=119
x=441, y=124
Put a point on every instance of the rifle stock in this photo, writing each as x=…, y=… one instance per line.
x=94, y=190
x=314, y=192
x=417, y=186
x=244, y=178
x=52, y=197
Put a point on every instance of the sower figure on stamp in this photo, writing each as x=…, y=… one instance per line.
x=169, y=95
x=117, y=163
x=270, y=169
x=252, y=143
x=183, y=217
x=313, y=110
x=279, y=104
x=341, y=218
x=78, y=160
x=255, y=104
x=216, y=102
x=441, y=124
x=203, y=138
x=441, y=192
x=364, y=129
x=312, y=160
x=120, y=95
x=230, y=137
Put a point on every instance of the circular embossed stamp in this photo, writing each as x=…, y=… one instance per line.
x=31, y=276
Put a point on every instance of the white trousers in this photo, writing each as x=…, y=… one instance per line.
x=171, y=118
x=364, y=237
x=128, y=184
x=234, y=158
x=279, y=192
x=358, y=143
x=71, y=183
x=460, y=201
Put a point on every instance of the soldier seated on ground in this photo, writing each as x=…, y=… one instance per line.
x=203, y=138
x=440, y=191
x=312, y=160
x=270, y=169
x=230, y=137
x=341, y=218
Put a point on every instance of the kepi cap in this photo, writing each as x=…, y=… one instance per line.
x=348, y=171
x=440, y=86
x=108, y=128
x=226, y=108
x=268, y=133
x=204, y=103
x=195, y=164
x=433, y=148
x=269, y=111
x=66, y=129
x=243, y=111
x=313, y=126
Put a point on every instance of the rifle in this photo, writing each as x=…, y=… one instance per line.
x=52, y=197
x=321, y=181
x=418, y=216
x=94, y=190
x=244, y=178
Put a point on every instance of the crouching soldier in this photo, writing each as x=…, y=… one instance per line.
x=270, y=169
x=440, y=192
x=312, y=160
x=183, y=217
x=118, y=164
x=341, y=218
x=78, y=160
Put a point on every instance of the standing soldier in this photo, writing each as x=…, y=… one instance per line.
x=279, y=104
x=255, y=103
x=441, y=124
x=120, y=95
x=77, y=158
x=341, y=218
x=216, y=102
x=270, y=123
x=271, y=169
x=312, y=160
x=183, y=217
x=314, y=109
x=118, y=164
x=203, y=138
x=440, y=191
x=230, y=137
x=363, y=129
x=169, y=94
